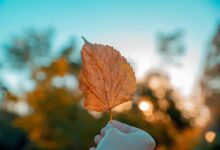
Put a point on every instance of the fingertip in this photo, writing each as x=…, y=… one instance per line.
x=97, y=139
x=92, y=148
x=104, y=130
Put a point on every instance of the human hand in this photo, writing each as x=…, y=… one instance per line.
x=120, y=136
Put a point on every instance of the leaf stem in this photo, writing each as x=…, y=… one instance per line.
x=110, y=113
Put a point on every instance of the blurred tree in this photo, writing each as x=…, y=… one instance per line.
x=171, y=47
x=211, y=80
x=167, y=122
x=158, y=89
x=54, y=102
x=2, y=93
x=52, y=106
x=211, y=90
x=30, y=50
x=58, y=121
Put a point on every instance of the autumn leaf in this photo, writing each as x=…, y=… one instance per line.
x=106, y=78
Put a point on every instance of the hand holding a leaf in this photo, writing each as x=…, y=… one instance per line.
x=119, y=136
x=107, y=80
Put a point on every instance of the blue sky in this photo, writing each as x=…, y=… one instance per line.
x=128, y=25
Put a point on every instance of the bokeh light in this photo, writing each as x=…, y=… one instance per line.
x=210, y=136
x=144, y=106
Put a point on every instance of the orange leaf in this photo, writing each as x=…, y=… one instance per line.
x=106, y=78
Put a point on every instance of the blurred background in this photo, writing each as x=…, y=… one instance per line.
x=173, y=46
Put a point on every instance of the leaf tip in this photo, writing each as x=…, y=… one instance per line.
x=85, y=41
